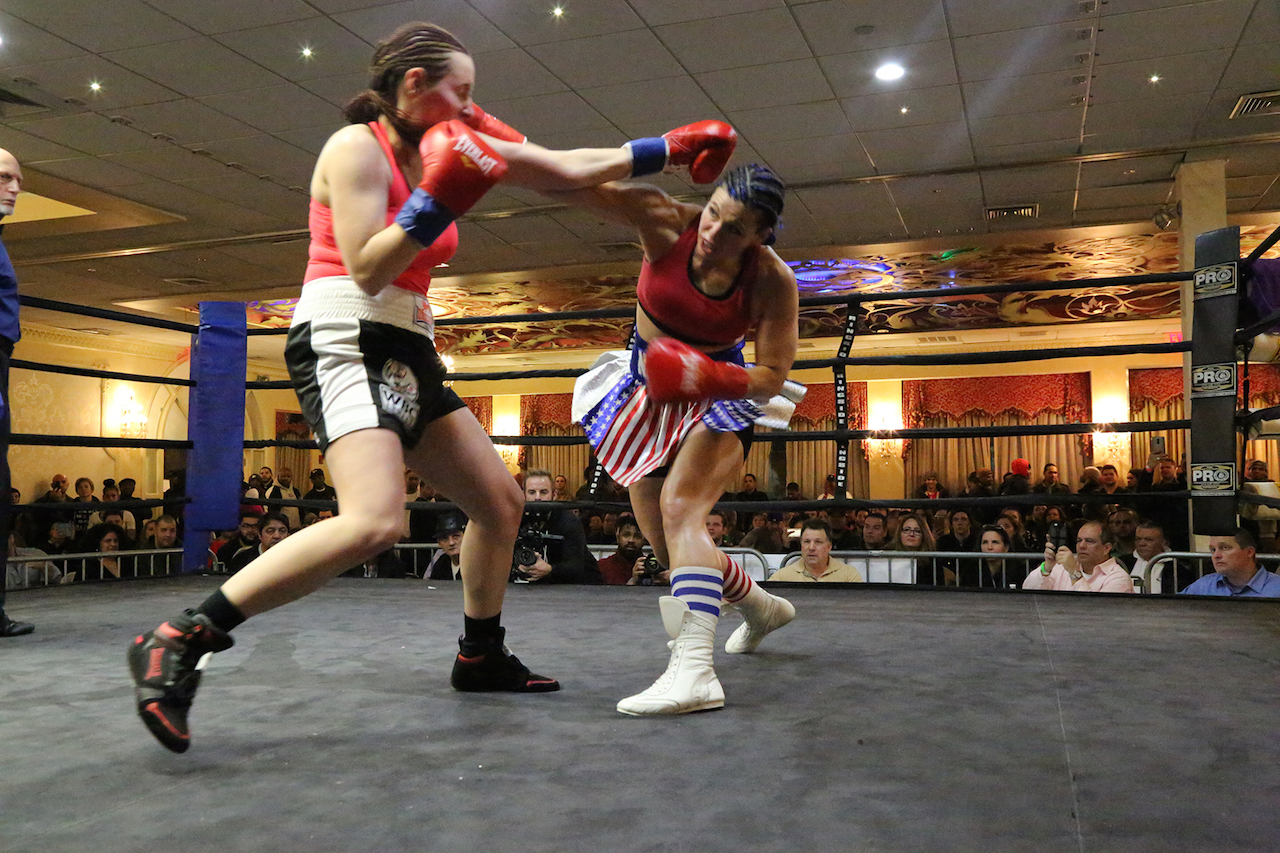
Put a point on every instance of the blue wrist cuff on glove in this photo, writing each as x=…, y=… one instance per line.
x=423, y=217
x=648, y=155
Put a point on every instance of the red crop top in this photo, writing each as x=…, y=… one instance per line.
x=324, y=259
x=667, y=294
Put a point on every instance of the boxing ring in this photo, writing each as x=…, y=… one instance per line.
x=886, y=717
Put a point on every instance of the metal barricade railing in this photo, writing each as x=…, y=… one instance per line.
x=901, y=566
x=72, y=568
x=1200, y=558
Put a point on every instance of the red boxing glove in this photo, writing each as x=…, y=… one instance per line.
x=485, y=123
x=678, y=373
x=704, y=146
x=458, y=168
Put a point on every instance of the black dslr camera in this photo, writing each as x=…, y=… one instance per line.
x=531, y=543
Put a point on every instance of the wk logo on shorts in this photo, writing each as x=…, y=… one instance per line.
x=399, y=392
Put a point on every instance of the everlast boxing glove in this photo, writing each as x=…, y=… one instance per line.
x=704, y=146
x=485, y=123
x=458, y=168
x=677, y=373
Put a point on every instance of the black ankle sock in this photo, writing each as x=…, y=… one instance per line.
x=222, y=613
x=481, y=631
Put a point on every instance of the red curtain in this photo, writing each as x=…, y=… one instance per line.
x=819, y=404
x=482, y=408
x=539, y=410
x=1027, y=397
x=1160, y=386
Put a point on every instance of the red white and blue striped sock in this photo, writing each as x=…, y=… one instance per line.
x=699, y=588
x=737, y=584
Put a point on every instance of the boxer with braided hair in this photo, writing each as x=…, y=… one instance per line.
x=361, y=356
x=672, y=418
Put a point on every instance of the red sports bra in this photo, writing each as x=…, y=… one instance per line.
x=667, y=294
x=324, y=259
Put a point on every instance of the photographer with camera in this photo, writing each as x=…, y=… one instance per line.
x=1091, y=568
x=630, y=566
x=551, y=546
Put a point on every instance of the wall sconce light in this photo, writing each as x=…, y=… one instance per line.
x=133, y=420
x=1110, y=446
x=884, y=446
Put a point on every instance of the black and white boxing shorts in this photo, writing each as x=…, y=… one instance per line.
x=359, y=361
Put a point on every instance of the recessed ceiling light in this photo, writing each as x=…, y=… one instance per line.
x=1154, y=78
x=905, y=110
x=95, y=86
x=890, y=71
x=1130, y=171
x=558, y=11
x=306, y=52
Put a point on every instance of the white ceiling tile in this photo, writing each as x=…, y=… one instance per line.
x=1015, y=53
x=253, y=193
x=676, y=98
x=1030, y=93
x=1027, y=151
x=110, y=26
x=94, y=172
x=939, y=105
x=70, y=78
x=1252, y=69
x=830, y=26
x=927, y=64
x=817, y=157
x=266, y=155
x=918, y=149
x=1180, y=110
x=564, y=252
x=173, y=198
x=990, y=16
x=1249, y=187
x=195, y=67
x=588, y=137
x=942, y=216
x=311, y=139
x=1270, y=201
x=766, y=85
x=334, y=50
x=658, y=12
x=337, y=90
x=848, y=201
x=1133, y=139
x=1263, y=26
x=25, y=44
x=170, y=163
x=559, y=112
x=794, y=121
x=377, y=22
x=1248, y=160
x=533, y=23
x=1029, y=127
x=506, y=74
x=1011, y=186
x=1180, y=74
x=225, y=15
x=32, y=149
x=589, y=227
x=1142, y=35
x=754, y=38
x=1131, y=170
x=1130, y=195
x=91, y=133
x=607, y=60
x=935, y=189
x=1243, y=205
x=185, y=120
x=276, y=108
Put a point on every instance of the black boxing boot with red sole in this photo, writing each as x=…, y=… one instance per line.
x=488, y=667
x=165, y=664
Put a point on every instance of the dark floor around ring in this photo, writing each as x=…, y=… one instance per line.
x=880, y=720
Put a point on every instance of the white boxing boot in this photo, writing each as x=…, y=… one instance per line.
x=690, y=682
x=763, y=613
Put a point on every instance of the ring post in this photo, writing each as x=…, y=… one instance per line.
x=219, y=361
x=1213, y=474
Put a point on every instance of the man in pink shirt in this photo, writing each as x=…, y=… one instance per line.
x=1090, y=569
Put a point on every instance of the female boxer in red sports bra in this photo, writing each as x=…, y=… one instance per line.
x=671, y=419
x=361, y=356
